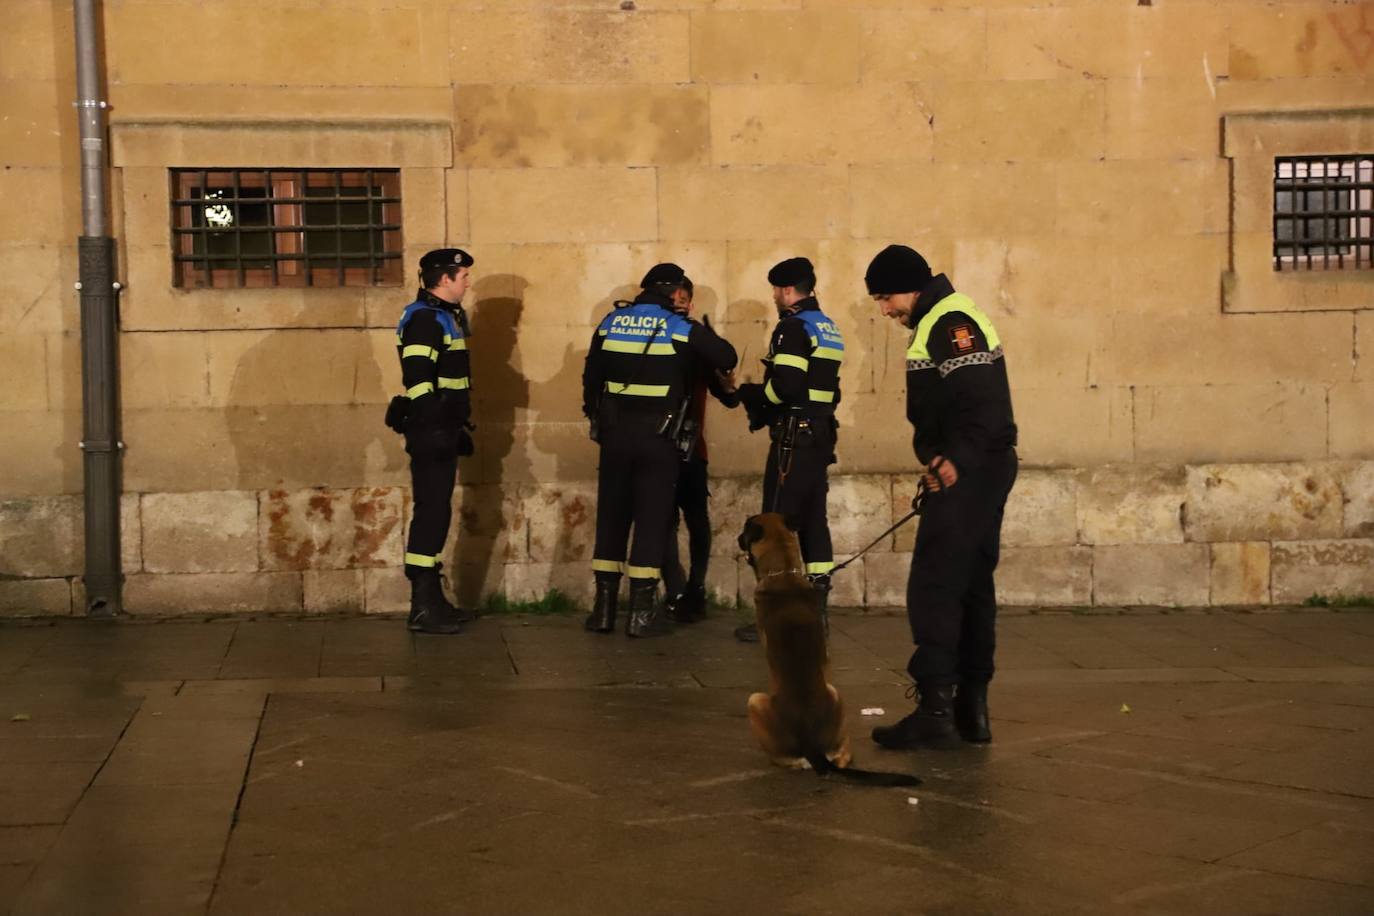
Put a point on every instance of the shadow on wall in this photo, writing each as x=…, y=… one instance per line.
x=488, y=515
x=294, y=415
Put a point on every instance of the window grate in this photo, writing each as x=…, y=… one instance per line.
x=1324, y=212
x=286, y=227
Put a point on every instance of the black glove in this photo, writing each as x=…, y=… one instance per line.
x=756, y=405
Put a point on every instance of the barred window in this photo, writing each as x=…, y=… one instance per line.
x=1323, y=208
x=286, y=227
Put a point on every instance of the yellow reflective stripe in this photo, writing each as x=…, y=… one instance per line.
x=787, y=359
x=630, y=346
x=419, y=559
x=455, y=384
x=424, y=350
x=829, y=353
x=420, y=390
x=682, y=337
x=459, y=344
x=825, y=397
x=820, y=569
x=643, y=391
x=954, y=302
x=610, y=566
x=642, y=572
x=770, y=394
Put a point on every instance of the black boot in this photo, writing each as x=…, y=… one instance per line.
x=971, y=712
x=930, y=726
x=430, y=611
x=646, y=617
x=747, y=633
x=462, y=615
x=821, y=583
x=688, y=605
x=602, y=617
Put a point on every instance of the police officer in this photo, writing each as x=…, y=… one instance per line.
x=432, y=342
x=796, y=401
x=686, y=590
x=633, y=386
x=959, y=402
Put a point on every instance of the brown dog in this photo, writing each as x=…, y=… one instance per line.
x=801, y=718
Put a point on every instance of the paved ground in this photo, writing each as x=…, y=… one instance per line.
x=1143, y=763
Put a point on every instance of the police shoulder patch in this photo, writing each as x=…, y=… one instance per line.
x=962, y=338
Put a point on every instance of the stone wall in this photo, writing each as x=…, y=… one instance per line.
x=1092, y=172
x=1219, y=535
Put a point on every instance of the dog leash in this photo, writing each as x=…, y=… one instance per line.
x=916, y=502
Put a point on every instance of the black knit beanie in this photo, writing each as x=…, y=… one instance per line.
x=897, y=269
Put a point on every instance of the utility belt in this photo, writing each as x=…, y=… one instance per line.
x=674, y=424
x=795, y=428
x=449, y=409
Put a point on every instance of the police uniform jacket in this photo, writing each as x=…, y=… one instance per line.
x=957, y=395
x=644, y=356
x=432, y=341
x=804, y=358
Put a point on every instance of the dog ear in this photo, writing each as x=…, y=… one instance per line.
x=751, y=533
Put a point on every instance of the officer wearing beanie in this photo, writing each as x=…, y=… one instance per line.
x=642, y=360
x=959, y=402
x=432, y=342
x=796, y=401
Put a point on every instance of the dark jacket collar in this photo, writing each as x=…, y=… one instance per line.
x=655, y=299
x=808, y=304
x=429, y=298
x=938, y=288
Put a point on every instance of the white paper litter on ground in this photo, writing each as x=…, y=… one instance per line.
x=874, y=711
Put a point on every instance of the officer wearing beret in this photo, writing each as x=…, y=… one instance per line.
x=432, y=342
x=959, y=402
x=796, y=401
x=636, y=378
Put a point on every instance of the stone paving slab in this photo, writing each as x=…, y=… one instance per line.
x=1165, y=763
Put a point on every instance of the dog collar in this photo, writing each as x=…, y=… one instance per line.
x=782, y=572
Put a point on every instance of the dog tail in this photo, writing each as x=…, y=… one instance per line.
x=823, y=767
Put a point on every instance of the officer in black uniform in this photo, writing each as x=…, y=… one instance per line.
x=796, y=401
x=633, y=387
x=959, y=402
x=434, y=413
x=686, y=590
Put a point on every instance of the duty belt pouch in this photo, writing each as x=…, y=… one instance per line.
x=686, y=439
x=398, y=413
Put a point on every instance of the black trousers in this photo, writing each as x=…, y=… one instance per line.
x=692, y=503
x=950, y=597
x=635, y=487
x=432, y=475
x=798, y=488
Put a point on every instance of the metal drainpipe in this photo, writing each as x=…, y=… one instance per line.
x=100, y=444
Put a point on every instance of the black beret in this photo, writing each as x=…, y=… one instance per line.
x=664, y=275
x=897, y=269
x=446, y=257
x=791, y=272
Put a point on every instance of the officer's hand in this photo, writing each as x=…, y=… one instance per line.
x=945, y=473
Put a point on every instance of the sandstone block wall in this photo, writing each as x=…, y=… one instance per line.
x=1233, y=535
x=1095, y=173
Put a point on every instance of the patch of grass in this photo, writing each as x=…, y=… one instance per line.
x=553, y=603
x=1338, y=601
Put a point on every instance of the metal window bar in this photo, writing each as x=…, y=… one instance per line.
x=1328, y=220
x=375, y=190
